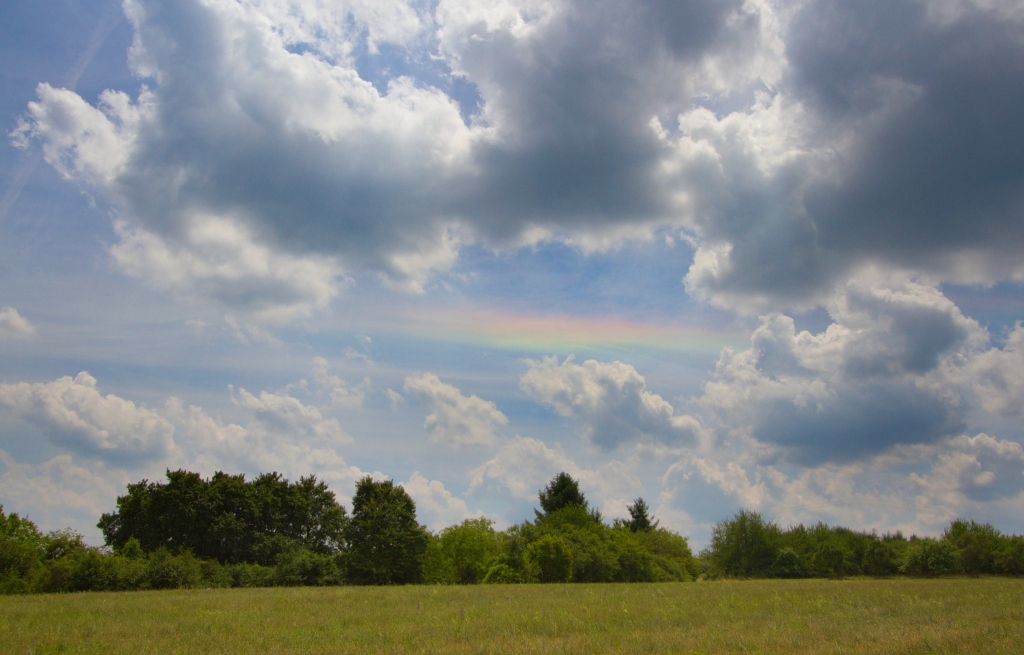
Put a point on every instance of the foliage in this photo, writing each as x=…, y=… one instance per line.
x=227, y=518
x=931, y=557
x=976, y=545
x=563, y=491
x=743, y=546
x=880, y=558
x=385, y=543
x=462, y=554
x=550, y=558
x=640, y=519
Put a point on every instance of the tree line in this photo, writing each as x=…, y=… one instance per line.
x=226, y=531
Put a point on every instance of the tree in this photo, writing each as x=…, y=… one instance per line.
x=227, y=518
x=469, y=548
x=385, y=543
x=561, y=492
x=931, y=557
x=550, y=558
x=639, y=517
x=745, y=545
x=977, y=544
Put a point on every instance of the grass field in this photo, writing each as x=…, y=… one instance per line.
x=983, y=615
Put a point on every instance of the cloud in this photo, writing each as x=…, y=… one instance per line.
x=891, y=138
x=282, y=414
x=435, y=505
x=61, y=492
x=340, y=393
x=218, y=258
x=15, y=326
x=885, y=372
x=278, y=124
x=997, y=376
x=74, y=414
x=454, y=419
x=523, y=466
x=609, y=402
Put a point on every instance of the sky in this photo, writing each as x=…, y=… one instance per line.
x=718, y=254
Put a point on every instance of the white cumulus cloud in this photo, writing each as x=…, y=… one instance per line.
x=74, y=414
x=15, y=326
x=455, y=419
x=608, y=401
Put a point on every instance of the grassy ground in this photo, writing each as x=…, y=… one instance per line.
x=983, y=615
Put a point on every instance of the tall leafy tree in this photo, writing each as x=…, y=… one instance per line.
x=640, y=519
x=386, y=544
x=563, y=491
x=745, y=545
x=227, y=518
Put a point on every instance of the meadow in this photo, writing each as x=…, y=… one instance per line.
x=900, y=615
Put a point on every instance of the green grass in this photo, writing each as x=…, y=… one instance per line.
x=982, y=615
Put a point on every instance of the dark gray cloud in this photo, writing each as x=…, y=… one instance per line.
x=887, y=371
x=936, y=170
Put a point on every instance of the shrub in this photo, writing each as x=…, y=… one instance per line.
x=745, y=546
x=788, y=565
x=167, y=571
x=829, y=560
x=502, y=574
x=931, y=557
x=976, y=543
x=879, y=559
x=1010, y=556
x=550, y=558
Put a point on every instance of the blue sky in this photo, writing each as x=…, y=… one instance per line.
x=718, y=254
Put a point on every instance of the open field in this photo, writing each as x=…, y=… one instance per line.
x=982, y=615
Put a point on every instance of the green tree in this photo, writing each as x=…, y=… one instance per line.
x=550, y=558
x=469, y=549
x=563, y=491
x=931, y=557
x=227, y=518
x=386, y=545
x=745, y=545
x=976, y=544
x=640, y=519
x=879, y=558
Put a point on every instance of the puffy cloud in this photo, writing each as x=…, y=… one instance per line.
x=15, y=326
x=281, y=414
x=997, y=376
x=795, y=142
x=455, y=419
x=894, y=140
x=916, y=489
x=61, y=492
x=979, y=468
x=218, y=258
x=435, y=505
x=340, y=393
x=74, y=414
x=884, y=372
x=523, y=465
x=609, y=402
x=277, y=124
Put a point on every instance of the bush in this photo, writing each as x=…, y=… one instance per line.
x=931, y=557
x=788, y=565
x=502, y=574
x=829, y=560
x=167, y=571
x=550, y=558
x=976, y=544
x=879, y=559
x=744, y=546
x=1010, y=556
